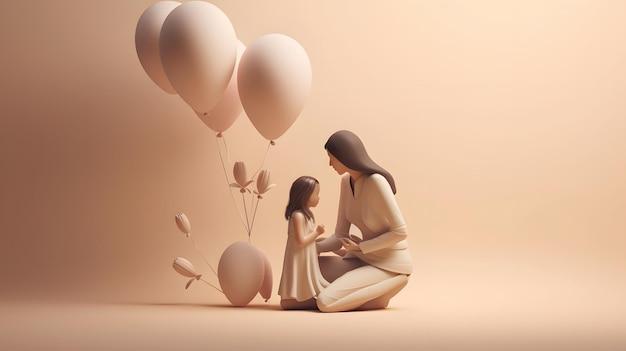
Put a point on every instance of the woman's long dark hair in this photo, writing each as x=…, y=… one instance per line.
x=348, y=148
x=299, y=195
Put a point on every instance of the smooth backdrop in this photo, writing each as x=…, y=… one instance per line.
x=503, y=122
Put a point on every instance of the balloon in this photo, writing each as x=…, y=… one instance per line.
x=240, y=272
x=229, y=107
x=198, y=49
x=147, y=36
x=268, y=277
x=274, y=81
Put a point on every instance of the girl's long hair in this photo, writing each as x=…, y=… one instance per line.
x=348, y=148
x=299, y=195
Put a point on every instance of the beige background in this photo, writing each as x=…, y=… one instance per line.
x=503, y=123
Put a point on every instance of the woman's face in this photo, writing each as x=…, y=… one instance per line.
x=336, y=164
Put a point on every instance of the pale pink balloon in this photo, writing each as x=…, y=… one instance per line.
x=240, y=272
x=274, y=82
x=229, y=107
x=147, y=35
x=198, y=49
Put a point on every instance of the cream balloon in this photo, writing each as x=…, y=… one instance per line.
x=229, y=107
x=198, y=49
x=274, y=82
x=240, y=272
x=147, y=35
x=268, y=277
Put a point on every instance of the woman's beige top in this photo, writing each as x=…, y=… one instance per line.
x=373, y=209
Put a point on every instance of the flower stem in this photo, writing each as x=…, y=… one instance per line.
x=213, y=286
x=205, y=260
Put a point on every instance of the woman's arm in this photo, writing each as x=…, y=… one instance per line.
x=387, y=211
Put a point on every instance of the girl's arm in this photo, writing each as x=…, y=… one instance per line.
x=330, y=244
x=301, y=237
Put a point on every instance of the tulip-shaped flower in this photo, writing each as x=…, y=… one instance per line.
x=184, y=267
x=183, y=224
x=263, y=183
x=241, y=177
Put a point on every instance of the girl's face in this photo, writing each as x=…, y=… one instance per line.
x=336, y=164
x=314, y=199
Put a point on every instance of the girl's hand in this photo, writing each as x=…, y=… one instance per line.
x=320, y=229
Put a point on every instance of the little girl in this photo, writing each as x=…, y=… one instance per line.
x=301, y=279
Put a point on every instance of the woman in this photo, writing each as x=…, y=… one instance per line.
x=367, y=200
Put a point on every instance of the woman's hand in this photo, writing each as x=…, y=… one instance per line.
x=349, y=244
x=340, y=252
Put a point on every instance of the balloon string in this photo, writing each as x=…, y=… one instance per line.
x=248, y=226
x=264, y=158
x=257, y=201
x=214, y=287
x=243, y=220
x=204, y=258
x=219, y=150
x=253, y=217
x=226, y=148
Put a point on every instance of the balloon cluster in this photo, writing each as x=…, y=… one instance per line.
x=191, y=49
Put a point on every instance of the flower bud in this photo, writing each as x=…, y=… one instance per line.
x=240, y=173
x=263, y=183
x=184, y=267
x=183, y=223
x=241, y=177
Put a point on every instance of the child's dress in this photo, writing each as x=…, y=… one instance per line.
x=301, y=278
